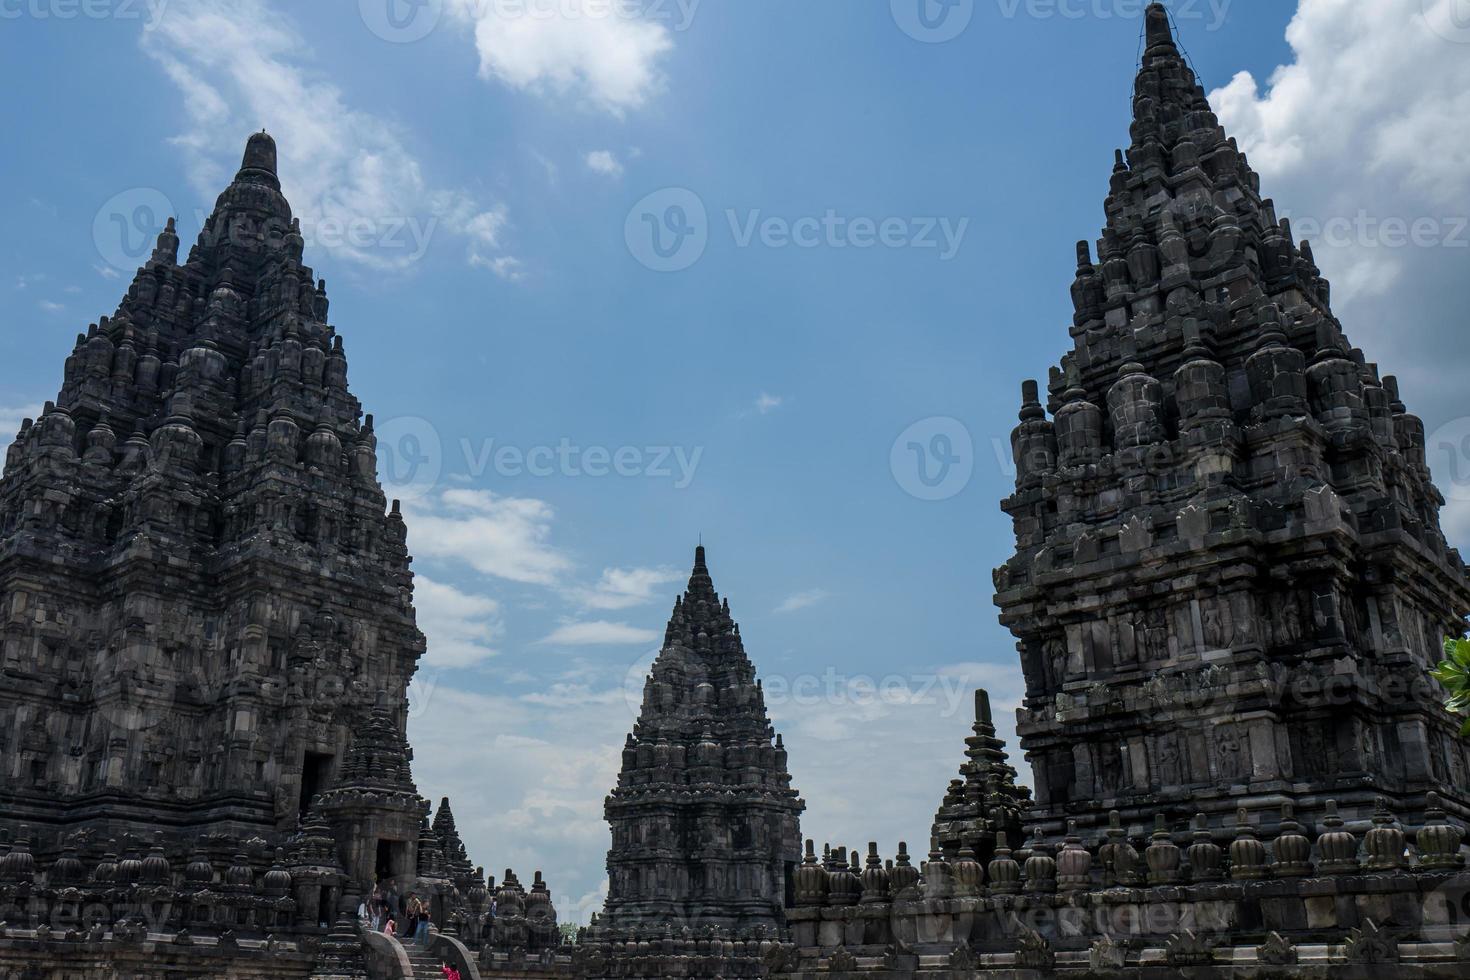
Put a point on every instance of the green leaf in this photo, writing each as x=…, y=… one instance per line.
x=1465, y=729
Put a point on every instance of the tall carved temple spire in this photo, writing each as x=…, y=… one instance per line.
x=206, y=617
x=1229, y=579
x=704, y=820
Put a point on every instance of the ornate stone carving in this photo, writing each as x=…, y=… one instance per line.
x=1371, y=945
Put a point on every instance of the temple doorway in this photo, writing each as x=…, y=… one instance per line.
x=316, y=770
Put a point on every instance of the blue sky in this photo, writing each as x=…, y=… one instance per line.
x=886, y=219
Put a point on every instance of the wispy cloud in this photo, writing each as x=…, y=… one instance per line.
x=507, y=537
x=910, y=724
x=605, y=163
x=507, y=267
x=623, y=588
x=49, y=306
x=599, y=633
x=240, y=65
x=802, y=600
x=767, y=403
x=527, y=776
x=460, y=627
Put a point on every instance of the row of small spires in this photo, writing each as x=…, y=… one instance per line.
x=1126, y=268
x=20, y=872
x=157, y=287
x=1279, y=377
x=840, y=881
x=18, y=868
x=150, y=365
x=175, y=445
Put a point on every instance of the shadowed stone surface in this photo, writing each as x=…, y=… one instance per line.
x=207, y=635
x=1230, y=579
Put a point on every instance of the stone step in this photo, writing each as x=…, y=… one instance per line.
x=425, y=966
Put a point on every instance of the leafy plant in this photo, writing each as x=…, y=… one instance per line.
x=1454, y=673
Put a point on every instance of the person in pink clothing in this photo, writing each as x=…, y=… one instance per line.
x=450, y=973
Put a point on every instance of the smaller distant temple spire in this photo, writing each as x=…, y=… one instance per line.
x=985, y=799
x=702, y=734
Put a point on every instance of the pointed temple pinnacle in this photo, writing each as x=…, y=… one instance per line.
x=1160, y=32
x=259, y=162
x=701, y=586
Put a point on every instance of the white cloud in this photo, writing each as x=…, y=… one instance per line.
x=909, y=725
x=768, y=403
x=603, y=162
x=802, y=600
x=623, y=588
x=241, y=65
x=1360, y=141
x=460, y=627
x=107, y=271
x=1365, y=119
x=527, y=777
x=604, y=56
x=48, y=306
x=507, y=267
x=599, y=633
x=507, y=537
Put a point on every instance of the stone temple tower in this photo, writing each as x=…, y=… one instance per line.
x=704, y=820
x=204, y=595
x=1229, y=579
x=984, y=802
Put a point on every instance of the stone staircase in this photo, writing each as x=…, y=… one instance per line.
x=425, y=965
